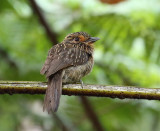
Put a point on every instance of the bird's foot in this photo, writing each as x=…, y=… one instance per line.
x=81, y=84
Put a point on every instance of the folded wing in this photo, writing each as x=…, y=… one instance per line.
x=62, y=56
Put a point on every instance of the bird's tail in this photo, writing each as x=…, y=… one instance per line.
x=53, y=92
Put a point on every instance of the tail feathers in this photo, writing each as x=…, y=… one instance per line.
x=53, y=92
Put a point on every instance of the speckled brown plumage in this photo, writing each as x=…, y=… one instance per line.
x=67, y=62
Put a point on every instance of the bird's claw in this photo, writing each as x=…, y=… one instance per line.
x=81, y=84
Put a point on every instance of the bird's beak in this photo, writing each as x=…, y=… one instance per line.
x=93, y=39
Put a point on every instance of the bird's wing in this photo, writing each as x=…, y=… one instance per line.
x=61, y=56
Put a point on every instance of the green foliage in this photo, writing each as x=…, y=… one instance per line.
x=127, y=54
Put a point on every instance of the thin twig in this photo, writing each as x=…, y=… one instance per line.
x=34, y=87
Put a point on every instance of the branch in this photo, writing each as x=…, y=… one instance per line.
x=60, y=123
x=91, y=114
x=51, y=35
x=6, y=57
x=33, y=87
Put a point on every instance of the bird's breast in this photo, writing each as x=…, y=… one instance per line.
x=75, y=73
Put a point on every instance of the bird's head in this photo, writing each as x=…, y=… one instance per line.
x=80, y=37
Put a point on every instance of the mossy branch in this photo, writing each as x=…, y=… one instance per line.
x=34, y=87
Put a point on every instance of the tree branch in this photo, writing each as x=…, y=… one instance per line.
x=6, y=57
x=51, y=35
x=33, y=87
x=60, y=123
x=91, y=114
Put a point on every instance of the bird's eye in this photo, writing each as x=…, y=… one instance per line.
x=77, y=39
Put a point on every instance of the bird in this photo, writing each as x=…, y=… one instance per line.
x=67, y=62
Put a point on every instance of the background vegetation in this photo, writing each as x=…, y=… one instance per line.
x=127, y=54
